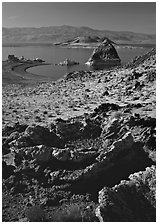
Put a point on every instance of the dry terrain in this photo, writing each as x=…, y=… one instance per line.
x=81, y=148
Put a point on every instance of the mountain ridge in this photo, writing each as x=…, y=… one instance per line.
x=79, y=27
x=63, y=33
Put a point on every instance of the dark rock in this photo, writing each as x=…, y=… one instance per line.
x=33, y=135
x=111, y=129
x=132, y=200
x=77, y=129
x=9, y=159
x=106, y=93
x=7, y=130
x=68, y=130
x=12, y=137
x=150, y=76
x=41, y=154
x=104, y=108
x=77, y=75
x=7, y=170
x=136, y=75
x=68, y=155
x=142, y=121
x=120, y=160
x=41, y=135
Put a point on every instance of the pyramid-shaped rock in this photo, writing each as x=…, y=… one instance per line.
x=104, y=54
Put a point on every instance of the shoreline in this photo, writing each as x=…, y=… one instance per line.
x=23, y=67
x=16, y=73
x=79, y=45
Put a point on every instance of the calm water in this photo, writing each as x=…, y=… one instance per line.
x=56, y=54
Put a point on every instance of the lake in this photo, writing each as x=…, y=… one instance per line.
x=55, y=55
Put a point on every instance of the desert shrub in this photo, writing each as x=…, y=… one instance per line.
x=38, y=119
x=35, y=214
x=76, y=212
x=116, y=115
x=45, y=112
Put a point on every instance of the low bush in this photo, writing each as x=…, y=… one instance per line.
x=75, y=213
x=35, y=214
x=116, y=115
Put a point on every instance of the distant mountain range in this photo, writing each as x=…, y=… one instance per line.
x=69, y=33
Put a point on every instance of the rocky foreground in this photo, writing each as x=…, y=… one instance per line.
x=82, y=148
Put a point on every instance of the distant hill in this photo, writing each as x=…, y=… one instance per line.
x=65, y=33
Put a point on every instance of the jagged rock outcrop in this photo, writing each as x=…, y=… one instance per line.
x=132, y=200
x=104, y=54
x=125, y=156
x=41, y=154
x=142, y=59
x=9, y=159
x=41, y=135
x=74, y=129
x=68, y=155
x=33, y=135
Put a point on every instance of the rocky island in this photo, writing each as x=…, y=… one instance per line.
x=68, y=62
x=104, y=54
x=82, y=148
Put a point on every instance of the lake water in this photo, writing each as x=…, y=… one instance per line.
x=54, y=55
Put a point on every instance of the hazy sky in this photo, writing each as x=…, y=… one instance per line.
x=130, y=16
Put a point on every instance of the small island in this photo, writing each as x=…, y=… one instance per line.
x=22, y=59
x=68, y=62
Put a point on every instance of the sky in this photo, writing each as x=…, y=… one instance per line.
x=137, y=17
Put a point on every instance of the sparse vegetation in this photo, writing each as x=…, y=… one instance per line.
x=76, y=212
x=35, y=214
x=116, y=115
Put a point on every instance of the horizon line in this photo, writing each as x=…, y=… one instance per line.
x=17, y=27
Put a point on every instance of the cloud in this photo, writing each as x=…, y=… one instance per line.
x=12, y=17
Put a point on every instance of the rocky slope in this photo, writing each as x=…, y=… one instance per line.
x=84, y=145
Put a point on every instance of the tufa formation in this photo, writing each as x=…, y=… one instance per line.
x=104, y=54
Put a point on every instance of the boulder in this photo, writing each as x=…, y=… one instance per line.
x=104, y=54
x=41, y=135
x=67, y=155
x=121, y=151
x=76, y=129
x=62, y=154
x=42, y=154
x=124, y=157
x=7, y=170
x=132, y=200
x=125, y=143
x=16, y=128
x=111, y=129
x=34, y=135
x=68, y=129
x=9, y=159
